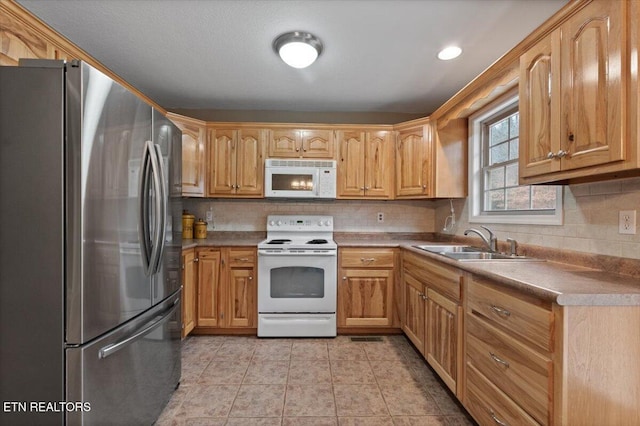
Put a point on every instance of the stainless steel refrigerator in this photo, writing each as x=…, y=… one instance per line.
x=90, y=187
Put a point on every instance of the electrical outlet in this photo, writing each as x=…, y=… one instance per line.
x=380, y=217
x=627, y=222
x=209, y=215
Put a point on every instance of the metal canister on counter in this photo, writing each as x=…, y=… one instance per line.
x=200, y=229
x=187, y=225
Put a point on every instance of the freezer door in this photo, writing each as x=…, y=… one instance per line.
x=128, y=376
x=167, y=139
x=107, y=130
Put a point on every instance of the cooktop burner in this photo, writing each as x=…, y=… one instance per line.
x=280, y=241
x=318, y=241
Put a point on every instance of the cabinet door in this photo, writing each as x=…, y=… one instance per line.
x=222, y=162
x=208, y=287
x=379, y=178
x=442, y=329
x=412, y=164
x=193, y=160
x=365, y=298
x=317, y=143
x=592, y=99
x=16, y=42
x=250, y=162
x=414, y=311
x=285, y=143
x=188, y=291
x=242, y=295
x=539, y=103
x=351, y=164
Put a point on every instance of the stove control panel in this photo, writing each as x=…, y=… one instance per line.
x=299, y=223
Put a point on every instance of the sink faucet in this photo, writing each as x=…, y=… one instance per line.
x=491, y=242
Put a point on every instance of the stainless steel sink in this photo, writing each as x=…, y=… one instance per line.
x=467, y=253
x=443, y=248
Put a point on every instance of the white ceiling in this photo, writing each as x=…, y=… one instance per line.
x=379, y=56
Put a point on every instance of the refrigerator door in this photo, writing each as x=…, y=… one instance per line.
x=127, y=376
x=168, y=142
x=31, y=241
x=107, y=129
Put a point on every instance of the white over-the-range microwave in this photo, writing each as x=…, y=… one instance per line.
x=300, y=178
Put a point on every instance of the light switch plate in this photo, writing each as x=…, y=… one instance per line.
x=627, y=222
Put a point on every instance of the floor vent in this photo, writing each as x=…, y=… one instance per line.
x=367, y=339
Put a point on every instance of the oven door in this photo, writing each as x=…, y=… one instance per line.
x=297, y=283
x=291, y=182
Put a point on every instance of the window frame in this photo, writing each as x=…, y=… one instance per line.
x=501, y=106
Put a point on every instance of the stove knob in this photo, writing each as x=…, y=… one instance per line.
x=327, y=222
x=272, y=222
x=279, y=223
x=319, y=223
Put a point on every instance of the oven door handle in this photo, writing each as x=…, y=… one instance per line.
x=299, y=253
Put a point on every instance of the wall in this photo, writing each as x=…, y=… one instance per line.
x=590, y=220
x=349, y=216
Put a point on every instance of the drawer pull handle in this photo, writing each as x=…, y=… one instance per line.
x=499, y=360
x=367, y=259
x=500, y=311
x=496, y=419
x=241, y=259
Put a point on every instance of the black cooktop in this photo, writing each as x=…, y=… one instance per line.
x=282, y=241
x=317, y=242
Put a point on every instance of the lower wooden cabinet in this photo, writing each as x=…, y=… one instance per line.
x=366, y=286
x=188, y=291
x=227, y=288
x=431, y=320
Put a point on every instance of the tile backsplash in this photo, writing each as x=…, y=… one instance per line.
x=349, y=216
x=590, y=222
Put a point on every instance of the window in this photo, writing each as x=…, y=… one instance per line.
x=496, y=196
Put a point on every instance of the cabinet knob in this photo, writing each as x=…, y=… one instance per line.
x=571, y=137
x=366, y=188
x=551, y=155
x=250, y=278
x=424, y=186
x=344, y=278
x=562, y=153
x=362, y=188
x=196, y=259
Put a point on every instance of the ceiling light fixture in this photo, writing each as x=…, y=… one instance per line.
x=450, y=52
x=298, y=49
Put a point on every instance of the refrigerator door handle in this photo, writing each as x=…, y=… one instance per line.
x=151, y=245
x=146, y=329
x=144, y=229
x=162, y=197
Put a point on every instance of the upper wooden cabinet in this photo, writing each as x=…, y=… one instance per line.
x=413, y=162
x=296, y=143
x=236, y=163
x=571, y=99
x=365, y=164
x=193, y=154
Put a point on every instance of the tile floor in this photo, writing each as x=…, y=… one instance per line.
x=228, y=380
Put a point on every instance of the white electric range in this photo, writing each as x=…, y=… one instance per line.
x=297, y=277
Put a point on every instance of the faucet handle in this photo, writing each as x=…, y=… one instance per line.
x=513, y=250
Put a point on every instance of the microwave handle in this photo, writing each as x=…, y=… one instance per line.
x=318, y=180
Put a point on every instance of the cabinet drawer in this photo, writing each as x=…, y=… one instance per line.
x=489, y=406
x=441, y=278
x=366, y=258
x=242, y=257
x=521, y=373
x=517, y=313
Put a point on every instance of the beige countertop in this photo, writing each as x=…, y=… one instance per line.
x=562, y=283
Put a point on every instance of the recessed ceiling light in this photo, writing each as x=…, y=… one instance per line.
x=298, y=49
x=450, y=52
